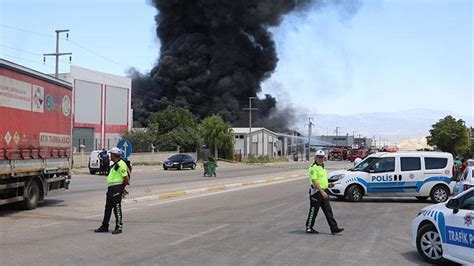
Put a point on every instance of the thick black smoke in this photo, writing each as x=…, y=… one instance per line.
x=214, y=55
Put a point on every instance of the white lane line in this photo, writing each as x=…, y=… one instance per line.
x=224, y=191
x=274, y=207
x=129, y=209
x=44, y=225
x=198, y=235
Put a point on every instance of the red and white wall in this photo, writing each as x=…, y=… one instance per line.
x=102, y=108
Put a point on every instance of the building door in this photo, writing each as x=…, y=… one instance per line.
x=84, y=136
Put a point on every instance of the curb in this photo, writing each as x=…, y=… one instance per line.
x=180, y=193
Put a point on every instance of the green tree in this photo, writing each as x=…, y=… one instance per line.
x=215, y=132
x=175, y=127
x=141, y=140
x=449, y=135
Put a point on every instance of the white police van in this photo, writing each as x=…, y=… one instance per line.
x=417, y=174
x=446, y=230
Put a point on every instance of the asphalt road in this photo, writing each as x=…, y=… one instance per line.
x=261, y=225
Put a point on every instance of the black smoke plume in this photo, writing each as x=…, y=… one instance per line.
x=214, y=56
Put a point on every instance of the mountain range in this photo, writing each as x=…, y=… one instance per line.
x=393, y=126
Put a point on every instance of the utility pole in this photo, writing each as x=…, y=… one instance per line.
x=58, y=54
x=337, y=131
x=310, y=126
x=250, y=109
x=353, y=137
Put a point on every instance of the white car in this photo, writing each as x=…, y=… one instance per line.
x=412, y=174
x=446, y=230
x=467, y=179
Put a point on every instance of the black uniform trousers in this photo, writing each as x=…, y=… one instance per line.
x=317, y=201
x=113, y=202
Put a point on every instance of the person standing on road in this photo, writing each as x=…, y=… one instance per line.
x=318, y=197
x=116, y=181
x=104, y=162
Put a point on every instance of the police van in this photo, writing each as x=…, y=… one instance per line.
x=446, y=230
x=417, y=174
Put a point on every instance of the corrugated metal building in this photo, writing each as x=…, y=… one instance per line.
x=261, y=142
x=102, y=107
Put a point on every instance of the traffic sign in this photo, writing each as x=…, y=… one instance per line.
x=126, y=147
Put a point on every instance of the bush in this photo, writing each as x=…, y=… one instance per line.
x=263, y=159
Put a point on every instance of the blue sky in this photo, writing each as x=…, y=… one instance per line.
x=389, y=56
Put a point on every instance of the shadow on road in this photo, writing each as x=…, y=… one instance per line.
x=13, y=208
x=413, y=257
x=385, y=199
x=303, y=232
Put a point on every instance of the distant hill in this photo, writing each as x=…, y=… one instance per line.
x=396, y=126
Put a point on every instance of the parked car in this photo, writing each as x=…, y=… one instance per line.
x=445, y=230
x=466, y=180
x=180, y=161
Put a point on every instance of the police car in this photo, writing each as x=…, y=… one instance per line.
x=446, y=230
x=467, y=180
x=417, y=174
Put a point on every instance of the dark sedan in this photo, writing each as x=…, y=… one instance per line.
x=180, y=161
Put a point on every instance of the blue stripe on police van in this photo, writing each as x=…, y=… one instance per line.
x=410, y=186
x=442, y=226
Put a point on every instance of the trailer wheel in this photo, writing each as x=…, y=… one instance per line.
x=32, y=196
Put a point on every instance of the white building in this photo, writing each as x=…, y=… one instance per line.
x=101, y=107
x=261, y=142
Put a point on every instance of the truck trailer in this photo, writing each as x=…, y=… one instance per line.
x=35, y=134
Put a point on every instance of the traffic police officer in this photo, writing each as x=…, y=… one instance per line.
x=116, y=180
x=318, y=180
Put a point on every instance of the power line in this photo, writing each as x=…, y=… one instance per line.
x=27, y=60
x=27, y=52
x=25, y=30
x=72, y=42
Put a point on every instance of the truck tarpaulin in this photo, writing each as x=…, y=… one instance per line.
x=35, y=114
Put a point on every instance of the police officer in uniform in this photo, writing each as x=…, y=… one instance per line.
x=318, y=180
x=116, y=181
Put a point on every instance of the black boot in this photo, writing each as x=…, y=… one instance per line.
x=336, y=230
x=102, y=229
x=311, y=231
x=117, y=231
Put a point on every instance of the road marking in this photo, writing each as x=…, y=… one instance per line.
x=173, y=194
x=198, y=235
x=274, y=207
x=44, y=225
x=129, y=209
x=220, y=192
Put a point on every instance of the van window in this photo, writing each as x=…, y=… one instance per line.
x=464, y=176
x=435, y=163
x=410, y=163
x=386, y=164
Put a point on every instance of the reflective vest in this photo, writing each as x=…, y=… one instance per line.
x=117, y=172
x=320, y=174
